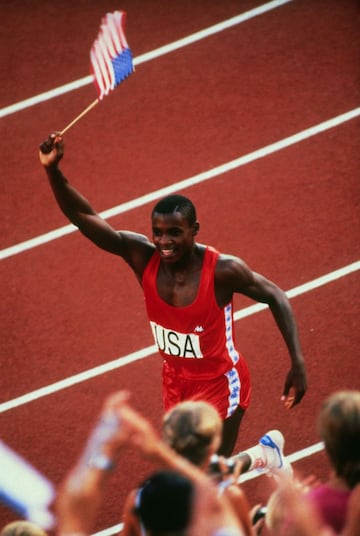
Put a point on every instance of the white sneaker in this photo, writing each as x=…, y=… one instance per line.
x=276, y=463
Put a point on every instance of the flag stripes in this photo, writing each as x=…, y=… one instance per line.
x=110, y=56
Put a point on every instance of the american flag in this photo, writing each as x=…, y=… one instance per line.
x=110, y=55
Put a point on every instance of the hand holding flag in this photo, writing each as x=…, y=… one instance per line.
x=111, y=59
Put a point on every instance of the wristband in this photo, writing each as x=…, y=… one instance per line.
x=102, y=462
x=104, y=432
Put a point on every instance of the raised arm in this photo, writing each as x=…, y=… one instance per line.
x=136, y=249
x=234, y=275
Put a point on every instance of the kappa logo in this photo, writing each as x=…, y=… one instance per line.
x=198, y=329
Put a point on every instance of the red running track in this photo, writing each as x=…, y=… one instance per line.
x=293, y=215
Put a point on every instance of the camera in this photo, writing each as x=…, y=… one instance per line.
x=259, y=514
x=215, y=468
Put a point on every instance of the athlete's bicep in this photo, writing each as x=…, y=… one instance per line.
x=232, y=275
x=134, y=248
x=238, y=277
x=136, y=251
x=100, y=232
x=261, y=289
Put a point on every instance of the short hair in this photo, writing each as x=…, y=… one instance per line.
x=190, y=428
x=22, y=528
x=164, y=502
x=339, y=428
x=176, y=203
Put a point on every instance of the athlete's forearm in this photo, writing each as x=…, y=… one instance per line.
x=71, y=202
x=286, y=322
x=296, y=382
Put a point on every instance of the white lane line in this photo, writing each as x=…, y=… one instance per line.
x=187, y=183
x=302, y=289
x=148, y=56
x=150, y=350
x=304, y=453
x=295, y=456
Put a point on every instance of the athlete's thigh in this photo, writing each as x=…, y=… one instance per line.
x=214, y=391
x=172, y=389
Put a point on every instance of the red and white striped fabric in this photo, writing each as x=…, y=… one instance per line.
x=110, y=55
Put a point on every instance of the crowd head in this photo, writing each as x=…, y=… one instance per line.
x=339, y=428
x=193, y=429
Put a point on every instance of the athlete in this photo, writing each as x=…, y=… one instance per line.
x=188, y=289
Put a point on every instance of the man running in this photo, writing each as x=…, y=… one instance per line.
x=188, y=289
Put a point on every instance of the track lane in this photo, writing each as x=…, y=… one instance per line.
x=247, y=124
x=250, y=107
x=53, y=332
x=69, y=414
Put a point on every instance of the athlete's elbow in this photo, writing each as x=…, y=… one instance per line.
x=278, y=299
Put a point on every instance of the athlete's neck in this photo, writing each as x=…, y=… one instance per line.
x=189, y=262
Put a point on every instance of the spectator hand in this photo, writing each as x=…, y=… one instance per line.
x=133, y=429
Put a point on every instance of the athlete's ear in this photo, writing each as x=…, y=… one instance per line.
x=196, y=228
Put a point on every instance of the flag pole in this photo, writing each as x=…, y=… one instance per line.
x=90, y=107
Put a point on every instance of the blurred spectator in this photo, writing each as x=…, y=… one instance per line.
x=164, y=503
x=327, y=504
x=120, y=426
x=339, y=428
x=22, y=528
x=193, y=429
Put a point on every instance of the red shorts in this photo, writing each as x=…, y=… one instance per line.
x=225, y=392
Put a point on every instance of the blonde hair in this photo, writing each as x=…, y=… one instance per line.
x=289, y=511
x=193, y=428
x=22, y=528
x=339, y=428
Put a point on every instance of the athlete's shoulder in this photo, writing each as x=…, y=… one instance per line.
x=233, y=270
x=225, y=264
x=137, y=251
x=230, y=262
x=131, y=236
x=205, y=249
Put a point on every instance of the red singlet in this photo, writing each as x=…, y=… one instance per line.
x=197, y=344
